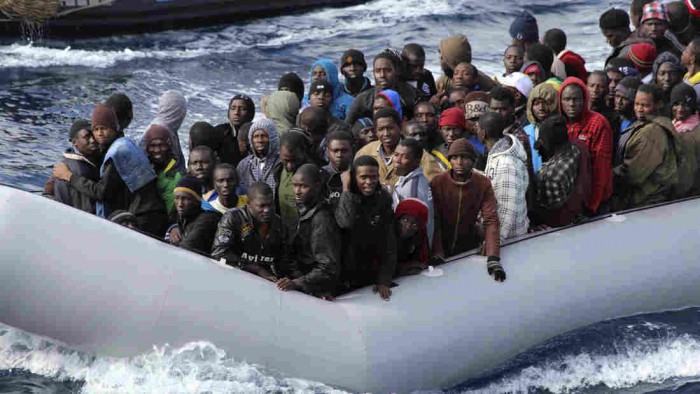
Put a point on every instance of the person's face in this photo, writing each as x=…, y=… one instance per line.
x=225, y=182
x=85, y=143
x=200, y=165
x=667, y=77
x=384, y=74
x=535, y=77
x=261, y=142
x=540, y=110
x=644, y=106
x=513, y=60
x=367, y=178
x=681, y=111
x=451, y=133
x=597, y=87
x=623, y=105
x=687, y=58
x=464, y=77
x=504, y=108
x=321, y=99
x=381, y=102
x=426, y=114
x=403, y=160
x=478, y=131
x=243, y=146
x=408, y=226
x=614, y=77
x=104, y=136
x=572, y=101
x=613, y=37
x=461, y=166
x=415, y=66
x=388, y=133
x=185, y=204
x=353, y=71
x=238, y=112
x=158, y=151
x=260, y=208
x=318, y=74
x=654, y=28
x=416, y=132
x=367, y=135
x=340, y=154
x=457, y=99
x=290, y=159
x=305, y=191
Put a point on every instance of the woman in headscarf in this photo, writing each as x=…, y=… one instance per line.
x=282, y=107
x=172, y=109
x=325, y=69
x=541, y=104
x=264, y=143
x=241, y=110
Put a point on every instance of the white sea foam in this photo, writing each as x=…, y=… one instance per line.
x=670, y=359
x=194, y=368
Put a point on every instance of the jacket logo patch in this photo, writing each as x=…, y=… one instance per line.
x=246, y=229
x=583, y=137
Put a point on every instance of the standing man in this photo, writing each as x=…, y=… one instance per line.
x=82, y=159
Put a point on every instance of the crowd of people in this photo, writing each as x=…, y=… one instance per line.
x=352, y=183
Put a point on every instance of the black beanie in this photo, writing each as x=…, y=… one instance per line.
x=292, y=83
x=684, y=93
x=190, y=184
x=614, y=19
x=80, y=124
x=352, y=56
x=320, y=86
x=524, y=27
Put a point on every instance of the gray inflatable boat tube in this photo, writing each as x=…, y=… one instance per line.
x=105, y=289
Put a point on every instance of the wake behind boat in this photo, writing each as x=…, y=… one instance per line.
x=71, y=18
x=125, y=293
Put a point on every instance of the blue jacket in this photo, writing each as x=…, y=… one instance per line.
x=341, y=100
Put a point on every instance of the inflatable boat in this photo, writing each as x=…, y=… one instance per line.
x=107, y=290
x=74, y=18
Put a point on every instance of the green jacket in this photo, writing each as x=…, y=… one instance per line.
x=649, y=170
x=165, y=182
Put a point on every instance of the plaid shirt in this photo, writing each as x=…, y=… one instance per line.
x=557, y=178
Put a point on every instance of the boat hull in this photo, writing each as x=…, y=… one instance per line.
x=107, y=290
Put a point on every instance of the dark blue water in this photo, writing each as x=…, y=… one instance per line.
x=46, y=84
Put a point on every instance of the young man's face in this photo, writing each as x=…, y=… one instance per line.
x=367, y=135
x=461, y=166
x=457, y=99
x=340, y=154
x=367, y=178
x=504, y=108
x=353, y=71
x=572, y=101
x=260, y=207
x=379, y=103
x=321, y=99
x=597, y=87
x=305, y=191
x=290, y=159
x=623, y=105
x=451, y=133
x=513, y=60
x=403, y=160
x=200, y=165
x=654, y=28
x=540, y=110
x=667, y=77
x=225, y=182
x=85, y=144
x=644, y=106
x=388, y=132
x=408, y=226
x=415, y=66
x=614, y=37
x=427, y=115
x=261, y=142
x=681, y=111
x=159, y=151
x=464, y=76
x=614, y=77
x=185, y=204
x=238, y=112
x=384, y=74
x=318, y=74
x=104, y=135
x=687, y=57
x=416, y=132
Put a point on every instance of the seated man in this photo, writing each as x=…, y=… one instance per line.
x=201, y=164
x=387, y=123
x=564, y=178
x=339, y=160
x=413, y=246
x=225, y=196
x=460, y=196
x=197, y=226
x=365, y=210
x=82, y=159
x=251, y=237
x=411, y=183
x=313, y=264
x=127, y=180
x=157, y=141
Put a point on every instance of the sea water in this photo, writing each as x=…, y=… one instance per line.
x=46, y=84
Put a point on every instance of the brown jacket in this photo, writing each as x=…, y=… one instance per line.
x=457, y=207
x=387, y=175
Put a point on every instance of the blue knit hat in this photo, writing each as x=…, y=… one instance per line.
x=524, y=28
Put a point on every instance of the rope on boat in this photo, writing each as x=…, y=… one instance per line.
x=35, y=11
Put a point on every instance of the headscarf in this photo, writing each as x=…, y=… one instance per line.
x=542, y=91
x=282, y=107
x=172, y=109
x=341, y=100
x=393, y=98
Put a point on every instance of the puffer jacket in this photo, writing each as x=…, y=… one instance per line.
x=507, y=169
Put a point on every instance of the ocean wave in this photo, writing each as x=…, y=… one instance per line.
x=197, y=367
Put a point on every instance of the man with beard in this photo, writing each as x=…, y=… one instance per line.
x=127, y=181
x=251, y=237
x=416, y=131
x=598, y=85
x=82, y=159
x=201, y=164
x=241, y=110
x=426, y=113
x=655, y=24
x=353, y=67
x=157, y=140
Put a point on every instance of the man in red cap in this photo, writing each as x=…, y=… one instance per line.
x=127, y=180
x=413, y=248
x=460, y=196
x=642, y=56
x=452, y=125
